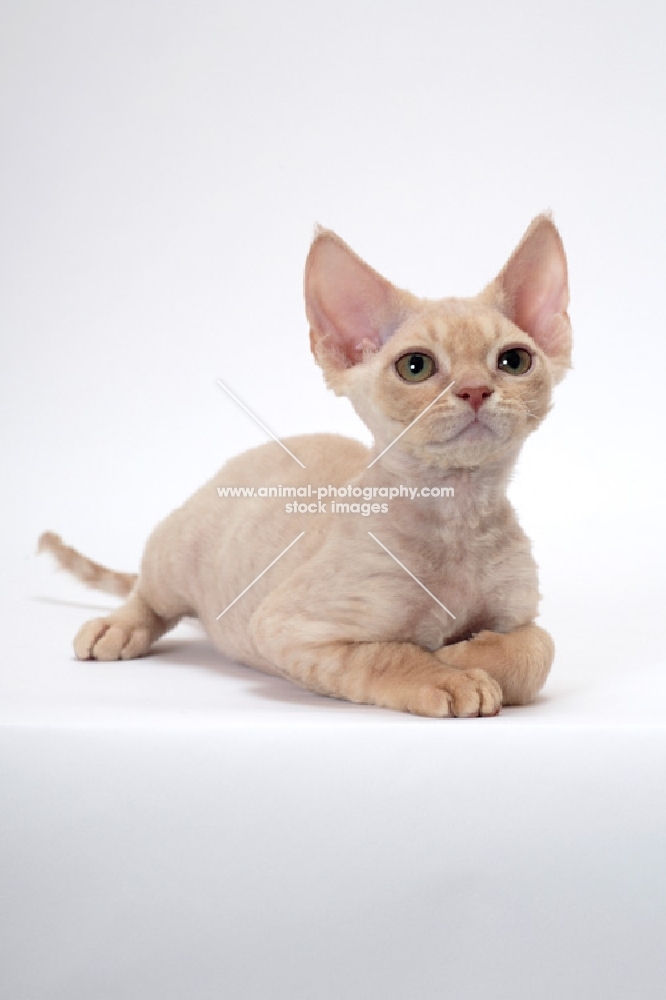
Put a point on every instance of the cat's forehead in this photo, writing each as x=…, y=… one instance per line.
x=460, y=326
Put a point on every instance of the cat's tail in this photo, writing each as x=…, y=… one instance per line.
x=89, y=572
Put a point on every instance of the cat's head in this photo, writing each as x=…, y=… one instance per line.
x=394, y=354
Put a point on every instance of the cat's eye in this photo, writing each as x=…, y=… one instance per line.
x=515, y=361
x=415, y=367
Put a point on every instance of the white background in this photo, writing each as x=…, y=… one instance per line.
x=162, y=169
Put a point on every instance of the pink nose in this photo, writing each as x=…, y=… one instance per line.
x=475, y=395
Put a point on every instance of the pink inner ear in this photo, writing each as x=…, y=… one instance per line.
x=349, y=306
x=536, y=290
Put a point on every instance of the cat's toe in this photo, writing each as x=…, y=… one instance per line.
x=87, y=637
x=138, y=643
x=110, y=646
x=430, y=700
x=490, y=693
x=474, y=693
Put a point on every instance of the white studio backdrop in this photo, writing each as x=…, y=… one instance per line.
x=163, y=167
x=174, y=827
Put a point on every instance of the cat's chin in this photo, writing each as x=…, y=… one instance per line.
x=471, y=447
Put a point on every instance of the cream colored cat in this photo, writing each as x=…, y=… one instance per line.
x=362, y=607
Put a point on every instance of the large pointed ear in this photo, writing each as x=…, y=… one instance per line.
x=532, y=290
x=351, y=308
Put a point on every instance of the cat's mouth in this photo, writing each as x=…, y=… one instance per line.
x=475, y=430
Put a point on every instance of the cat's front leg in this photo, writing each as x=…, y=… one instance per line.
x=397, y=675
x=519, y=660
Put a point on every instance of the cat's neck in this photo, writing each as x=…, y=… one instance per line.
x=485, y=483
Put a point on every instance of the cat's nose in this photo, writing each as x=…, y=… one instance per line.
x=476, y=395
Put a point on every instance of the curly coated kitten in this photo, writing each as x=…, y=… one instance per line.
x=362, y=607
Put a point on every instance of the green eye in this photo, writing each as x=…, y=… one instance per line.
x=515, y=361
x=415, y=367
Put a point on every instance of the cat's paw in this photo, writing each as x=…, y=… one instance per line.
x=111, y=639
x=461, y=693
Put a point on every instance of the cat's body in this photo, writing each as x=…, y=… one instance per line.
x=468, y=553
x=428, y=604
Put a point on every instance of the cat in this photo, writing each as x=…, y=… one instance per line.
x=423, y=604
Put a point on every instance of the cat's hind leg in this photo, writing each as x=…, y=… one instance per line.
x=125, y=634
x=156, y=603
